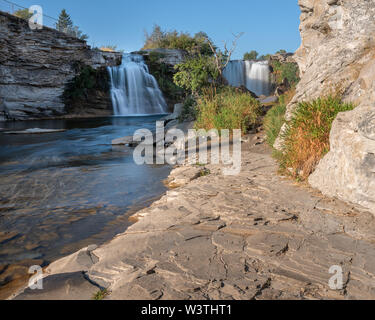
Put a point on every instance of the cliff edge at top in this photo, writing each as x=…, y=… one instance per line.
x=35, y=66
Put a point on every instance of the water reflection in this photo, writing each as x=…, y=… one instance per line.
x=62, y=191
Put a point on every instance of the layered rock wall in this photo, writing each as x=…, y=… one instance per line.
x=337, y=55
x=35, y=66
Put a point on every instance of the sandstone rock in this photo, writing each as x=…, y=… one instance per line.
x=338, y=55
x=68, y=286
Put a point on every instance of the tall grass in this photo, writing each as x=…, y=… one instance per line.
x=306, y=139
x=227, y=108
x=273, y=122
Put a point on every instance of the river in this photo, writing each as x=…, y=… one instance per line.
x=60, y=192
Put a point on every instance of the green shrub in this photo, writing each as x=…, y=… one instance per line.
x=189, y=111
x=227, y=108
x=164, y=76
x=306, y=139
x=87, y=78
x=23, y=14
x=273, y=122
x=177, y=40
x=289, y=71
x=196, y=73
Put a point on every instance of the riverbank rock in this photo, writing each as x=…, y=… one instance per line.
x=337, y=55
x=177, y=111
x=230, y=238
x=36, y=131
x=348, y=171
x=36, y=65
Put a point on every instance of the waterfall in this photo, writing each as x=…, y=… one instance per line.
x=134, y=91
x=254, y=75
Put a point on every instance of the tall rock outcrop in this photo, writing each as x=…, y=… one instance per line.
x=35, y=66
x=338, y=55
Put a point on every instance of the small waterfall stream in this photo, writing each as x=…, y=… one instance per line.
x=254, y=75
x=134, y=91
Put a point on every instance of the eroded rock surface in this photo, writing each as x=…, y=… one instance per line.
x=338, y=55
x=35, y=66
x=252, y=236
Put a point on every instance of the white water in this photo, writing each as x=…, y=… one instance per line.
x=134, y=91
x=255, y=76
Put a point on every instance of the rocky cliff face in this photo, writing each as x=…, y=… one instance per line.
x=338, y=55
x=36, y=65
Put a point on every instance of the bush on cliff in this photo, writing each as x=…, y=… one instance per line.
x=227, y=108
x=163, y=73
x=23, y=14
x=306, y=139
x=87, y=82
x=159, y=38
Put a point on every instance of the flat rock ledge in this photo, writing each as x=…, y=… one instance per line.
x=255, y=236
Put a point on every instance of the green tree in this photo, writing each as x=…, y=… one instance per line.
x=196, y=73
x=23, y=13
x=252, y=55
x=264, y=57
x=65, y=24
x=177, y=40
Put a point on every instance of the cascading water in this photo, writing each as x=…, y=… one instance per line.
x=254, y=75
x=134, y=91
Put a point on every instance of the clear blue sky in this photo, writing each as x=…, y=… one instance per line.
x=269, y=25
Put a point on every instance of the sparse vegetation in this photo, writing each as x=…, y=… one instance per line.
x=23, y=14
x=204, y=172
x=306, y=139
x=108, y=48
x=101, y=294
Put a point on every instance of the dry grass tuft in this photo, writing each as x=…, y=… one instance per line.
x=307, y=135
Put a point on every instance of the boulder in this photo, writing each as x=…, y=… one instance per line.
x=337, y=55
x=348, y=171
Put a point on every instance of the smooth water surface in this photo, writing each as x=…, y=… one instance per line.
x=62, y=191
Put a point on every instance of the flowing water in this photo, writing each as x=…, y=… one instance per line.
x=134, y=91
x=62, y=191
x=254, y=75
